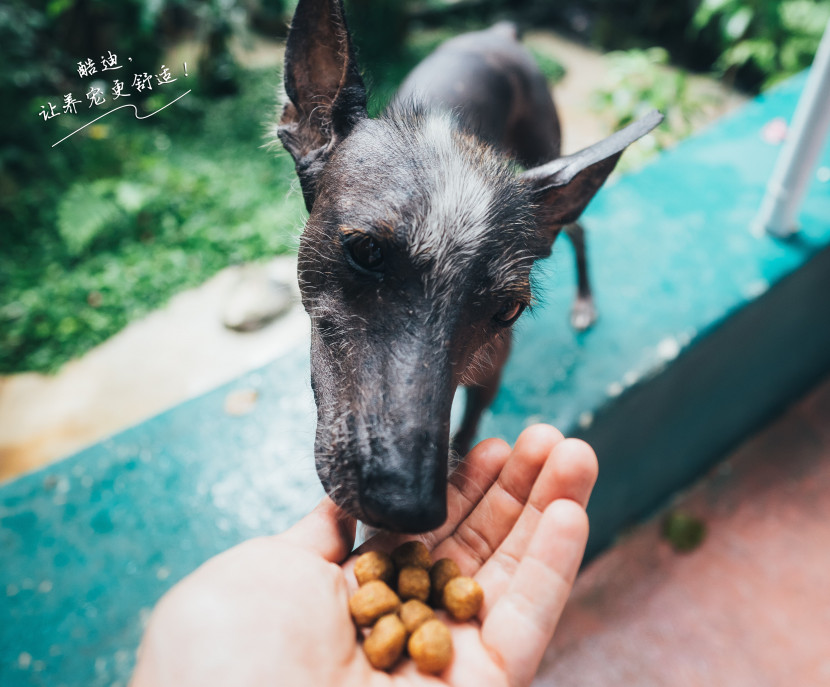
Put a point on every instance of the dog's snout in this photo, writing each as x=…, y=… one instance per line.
x=402, y=510
x=403, y=487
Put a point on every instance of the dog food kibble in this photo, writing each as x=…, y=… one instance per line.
x=374, y=565
x=385, y=642
x=462, y=598
x=371, y=601
x=412, y=624
x=439, y=574
x=413, y=583
x=430, y=646
x=412, y=553
x=415, y=613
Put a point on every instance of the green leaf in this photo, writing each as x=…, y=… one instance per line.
x=707, y=10
x=738, y=23
x=797, y=54
x=57, y=7
x=550, y=67
x=805, y=17
x=86, y=211
x=761, y=51
x=131, y=197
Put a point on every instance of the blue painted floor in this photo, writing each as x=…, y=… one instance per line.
x=90, y=543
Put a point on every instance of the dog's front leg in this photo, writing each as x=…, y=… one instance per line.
x=583, y=311
x=480, y=392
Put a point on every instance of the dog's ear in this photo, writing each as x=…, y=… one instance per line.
x=562, y=188
x=325, y=90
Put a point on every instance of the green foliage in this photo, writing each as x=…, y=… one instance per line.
x=26, y=73
x=639, y=81
x=86, y=211
x=193, y=194
x=777, y=37
x=41, y=42
x=549, y=65
x=379, y=28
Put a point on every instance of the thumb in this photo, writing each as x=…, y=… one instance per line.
x=326, y=530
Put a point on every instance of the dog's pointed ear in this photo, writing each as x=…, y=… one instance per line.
x=326, y=95
x=565, y=186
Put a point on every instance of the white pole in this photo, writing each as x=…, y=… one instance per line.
x=804, y=142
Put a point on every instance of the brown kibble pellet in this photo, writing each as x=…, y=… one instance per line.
x=415, y=613
x=375, y=604
x=462, y=598
x=384, y=645
x=371, y=601
x=440, y=573
x=430, y=646
x=413, y=583
x=412, y=554
x=374, y=565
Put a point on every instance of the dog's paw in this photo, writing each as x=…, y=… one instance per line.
x=583, y=313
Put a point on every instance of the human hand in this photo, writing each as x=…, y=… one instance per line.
x=274, y=610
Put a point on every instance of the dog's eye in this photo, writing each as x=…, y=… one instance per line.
x=509, y=313
x=366, y=253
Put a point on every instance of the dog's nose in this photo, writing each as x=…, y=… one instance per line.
x=402, y=479
x=404, y=511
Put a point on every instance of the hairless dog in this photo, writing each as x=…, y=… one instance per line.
x=424, y=224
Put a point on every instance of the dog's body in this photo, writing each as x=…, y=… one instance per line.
x=417, y=254
x=495, y=90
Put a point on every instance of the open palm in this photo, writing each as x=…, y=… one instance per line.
x=274, y=610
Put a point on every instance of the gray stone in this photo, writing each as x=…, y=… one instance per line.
x=258, y=296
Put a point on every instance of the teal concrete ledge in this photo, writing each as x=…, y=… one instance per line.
x=705, y=331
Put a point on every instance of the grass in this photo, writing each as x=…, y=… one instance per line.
x=190, y=192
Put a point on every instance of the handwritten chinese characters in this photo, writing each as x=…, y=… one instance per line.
x=142, y=83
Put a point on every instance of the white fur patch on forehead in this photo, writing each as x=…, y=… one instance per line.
x=459, y=196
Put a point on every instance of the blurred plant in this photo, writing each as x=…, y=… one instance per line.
x=185, y=201
x=30, y=68
x=379, y=28
x=639, y=81
x=126, y=246
x=550, y=66
x=41, y=42
x=683, y=531
x=87, y=210
x=219, y=22
x=777, y=37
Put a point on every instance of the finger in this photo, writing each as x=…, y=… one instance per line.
x=469, y=484
x=569, y=473
x=521, y=623
x=466, y=487
x=482, y=532
x=327, y=530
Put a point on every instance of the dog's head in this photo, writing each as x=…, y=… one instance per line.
x=416, y=256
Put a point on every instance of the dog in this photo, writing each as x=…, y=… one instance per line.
x=416, y=257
